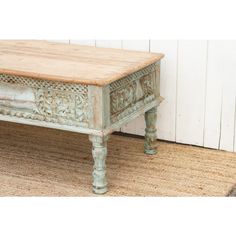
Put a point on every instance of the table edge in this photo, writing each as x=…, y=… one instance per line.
x=72, y=80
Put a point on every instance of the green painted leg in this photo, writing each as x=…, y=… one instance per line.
x=99, y=169
x=150, y=131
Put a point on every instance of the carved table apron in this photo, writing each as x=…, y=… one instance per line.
x=85, y=108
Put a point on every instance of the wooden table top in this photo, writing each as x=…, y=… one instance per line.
x=70, y=63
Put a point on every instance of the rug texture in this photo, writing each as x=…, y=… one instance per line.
x=37, y=161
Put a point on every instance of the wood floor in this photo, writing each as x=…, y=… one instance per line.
x=37, y=161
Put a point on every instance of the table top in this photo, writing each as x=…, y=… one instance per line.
x=70, y=63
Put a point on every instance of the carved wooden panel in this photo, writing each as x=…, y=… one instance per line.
x=42, y=100
x=131, y=93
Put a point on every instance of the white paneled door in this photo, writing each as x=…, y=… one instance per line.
x=198, y=82
x=213, y=95
x=166, y=119
x=191, y=88
x=89, y=42
x=109, y=43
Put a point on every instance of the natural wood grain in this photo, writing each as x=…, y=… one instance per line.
x=70, y=63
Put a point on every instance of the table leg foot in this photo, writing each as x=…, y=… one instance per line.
x=150, y=132
x=99, y=169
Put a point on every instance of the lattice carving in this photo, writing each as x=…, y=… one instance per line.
x=135, y=76
x=55, y=102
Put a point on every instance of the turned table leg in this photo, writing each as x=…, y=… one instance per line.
x=150, y=131
x=99, y=169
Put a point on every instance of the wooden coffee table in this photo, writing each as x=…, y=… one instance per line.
x=81, y=89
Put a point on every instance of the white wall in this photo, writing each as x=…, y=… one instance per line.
x=198, y=82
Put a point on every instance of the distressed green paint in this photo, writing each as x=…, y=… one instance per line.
x=132, y=93
x=150, y=131
x=52, y=102
x=99, y=152
x=89, y=109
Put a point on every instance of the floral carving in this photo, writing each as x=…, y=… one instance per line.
x=81, y=108
x=131, y=94
x=121, y=98
x=55, y=103
x=147, y=84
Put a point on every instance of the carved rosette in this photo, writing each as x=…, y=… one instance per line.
x=132, y=92
x=55, y=102
x=62, y=105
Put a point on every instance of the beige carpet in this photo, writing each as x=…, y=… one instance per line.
x=37, y=161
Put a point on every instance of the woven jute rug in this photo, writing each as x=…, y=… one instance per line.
x=36, y=161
